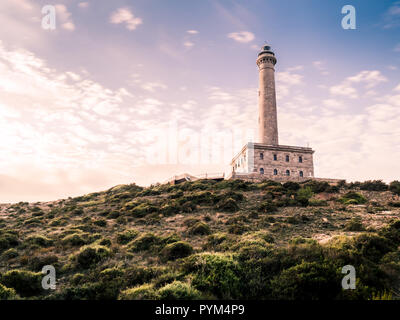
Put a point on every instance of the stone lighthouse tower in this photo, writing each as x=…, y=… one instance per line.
x=267, y=159
x=267, y=117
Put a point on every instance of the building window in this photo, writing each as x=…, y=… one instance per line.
x=275, y=172
x=301, y=174
x=275, y=157
x=261, y=156
x=287, y=172
x=287, y=158
x=262, y=170
x=301, y=159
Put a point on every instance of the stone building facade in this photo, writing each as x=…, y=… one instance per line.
x=266, y=159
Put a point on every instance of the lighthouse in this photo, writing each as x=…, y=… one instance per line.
x=266, y=159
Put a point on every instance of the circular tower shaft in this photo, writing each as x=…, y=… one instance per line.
x=267, y=118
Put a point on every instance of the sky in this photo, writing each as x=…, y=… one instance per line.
x=130, y=91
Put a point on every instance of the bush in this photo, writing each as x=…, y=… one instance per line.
x=318, y=186
x=39, y=240
x=138, y=275
x=395, y=187
x=373, y=247
x=8, y=240
x=303, y=195
x=25, y=283
x=7, y=293
x=353, y=198
x=228, y=205
x=144, y=242
x=176, y=250
x=143, y=209
x=200, y=228
x=375, y=185
x=74, y=239
x=100, y=222
x=307, y=281
x=126, y=236
x=10, y=253
x=217, y=274
x=291, y=186
x=268, y=207
x=89, y=256
x=354, y=225
x=178, y=290
x=143, y=292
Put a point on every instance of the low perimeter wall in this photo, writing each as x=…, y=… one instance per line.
x=256, y=177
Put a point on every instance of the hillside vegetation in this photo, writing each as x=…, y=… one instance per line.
x=206, y=240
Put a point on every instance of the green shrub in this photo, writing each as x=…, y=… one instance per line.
x=89, y=256
x=317, y=186
x=228, y=205
x=268, y=207
x=25, y=283
x=394, y=186
x=217, y=274
x=178, y=290
x=354, y=225
x=10, y=253
x=375, y=185
x=138, y=275
x=169, y=209
x=100, y=222
x=307, y=281
x=74, y=239
x=143, y=209
x=200, y=228
x=237, y=228
x=143, y=292
x=372, y=247
x=291, y=186
x=176, y=250
x=317, y=203
x=127, y=236
x=7, y=293
x=353, y=198
x=144, y=242
x=304, y=195
x=37, y=261
x=39, y=240
x=8, y=240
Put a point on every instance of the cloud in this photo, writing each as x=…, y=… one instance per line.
x=397, y=88
x=392, y=16
x=64, y=16
x=152, y=86
x=320, y=65
x=83, y=4
x=397, y=48
x=124, y=15
x=242, y=37
x=192, y=31
x=188, y=44
x=368, y=78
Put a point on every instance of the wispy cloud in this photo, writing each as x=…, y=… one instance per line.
x=242, y=37
x=368, y=78
x=125, y=16
x=392, y=16
x=64, y=16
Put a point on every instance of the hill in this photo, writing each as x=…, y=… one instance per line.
x=206, y=239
